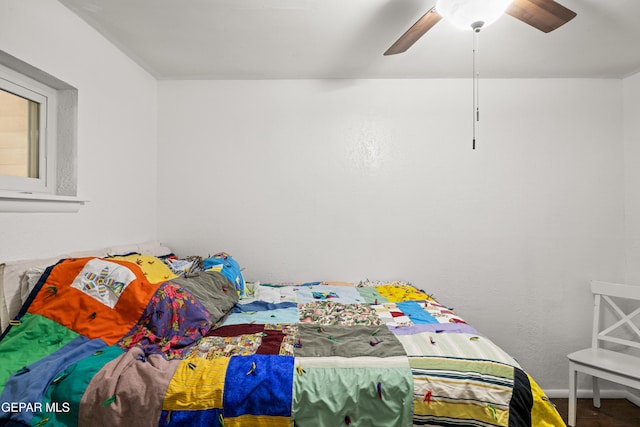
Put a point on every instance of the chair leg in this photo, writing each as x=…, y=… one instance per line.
x=573, y=378
x=596, y=392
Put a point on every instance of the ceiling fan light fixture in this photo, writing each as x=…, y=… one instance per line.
x=472, y=14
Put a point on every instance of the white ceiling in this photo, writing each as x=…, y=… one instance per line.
x=308, y=39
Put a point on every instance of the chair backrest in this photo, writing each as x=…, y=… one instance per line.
x=604, y=293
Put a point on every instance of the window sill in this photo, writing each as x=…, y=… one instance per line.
x=33, y=202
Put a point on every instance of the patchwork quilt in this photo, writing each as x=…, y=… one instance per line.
x=132, y=341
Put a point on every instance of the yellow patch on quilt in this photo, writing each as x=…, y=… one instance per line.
x=399, y=293
x=197, y=384
x=463, y=411
x=217, y=268
x=257, y=421
x=154, y=269
x=543, y=412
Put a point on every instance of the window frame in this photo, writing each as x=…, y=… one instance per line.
x=61, y=143
x=25, y=87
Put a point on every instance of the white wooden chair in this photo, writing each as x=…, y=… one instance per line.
x=611, y=365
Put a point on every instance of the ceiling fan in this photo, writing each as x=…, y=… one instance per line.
x=545, y=15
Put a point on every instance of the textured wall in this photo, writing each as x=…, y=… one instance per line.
x=345, y=180
x=632, y=175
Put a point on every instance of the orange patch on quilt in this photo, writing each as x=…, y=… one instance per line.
x=85, y=315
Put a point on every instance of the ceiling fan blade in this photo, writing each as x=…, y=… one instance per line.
x=545, y=15
x=416, y=31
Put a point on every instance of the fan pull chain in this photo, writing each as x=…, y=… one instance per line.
x=476, y=83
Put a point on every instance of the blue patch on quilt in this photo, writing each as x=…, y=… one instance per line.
x=324, y=295
x=264, y=313
x=230, y=269
x=341, y=294
x=262, y=306
x=415, y=312
x=285, y=316
x=258, y=385
x=204, y=417
x=30, y=384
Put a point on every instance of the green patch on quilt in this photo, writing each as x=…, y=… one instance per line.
x=327, y=397
x=371, y=295
x=63, y=396
x=354, y=341
x=480, y=367
x=216, y=293
x=37, y=336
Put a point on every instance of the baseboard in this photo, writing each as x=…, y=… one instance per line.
x=633, y=398
x=588, y=394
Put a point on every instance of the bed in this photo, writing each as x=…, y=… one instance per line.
x=154, y=340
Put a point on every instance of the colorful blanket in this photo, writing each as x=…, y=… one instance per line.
x=127, y=341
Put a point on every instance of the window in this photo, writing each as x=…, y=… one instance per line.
x=27, y=140
x=19, y=135
x=38, y=114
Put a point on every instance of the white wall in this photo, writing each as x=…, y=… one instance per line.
x=116, y=134
x=631, y=90
x=346, y=180
x=631, y=87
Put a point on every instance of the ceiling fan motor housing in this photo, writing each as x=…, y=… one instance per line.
x=472, y=14
x=476, y=26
